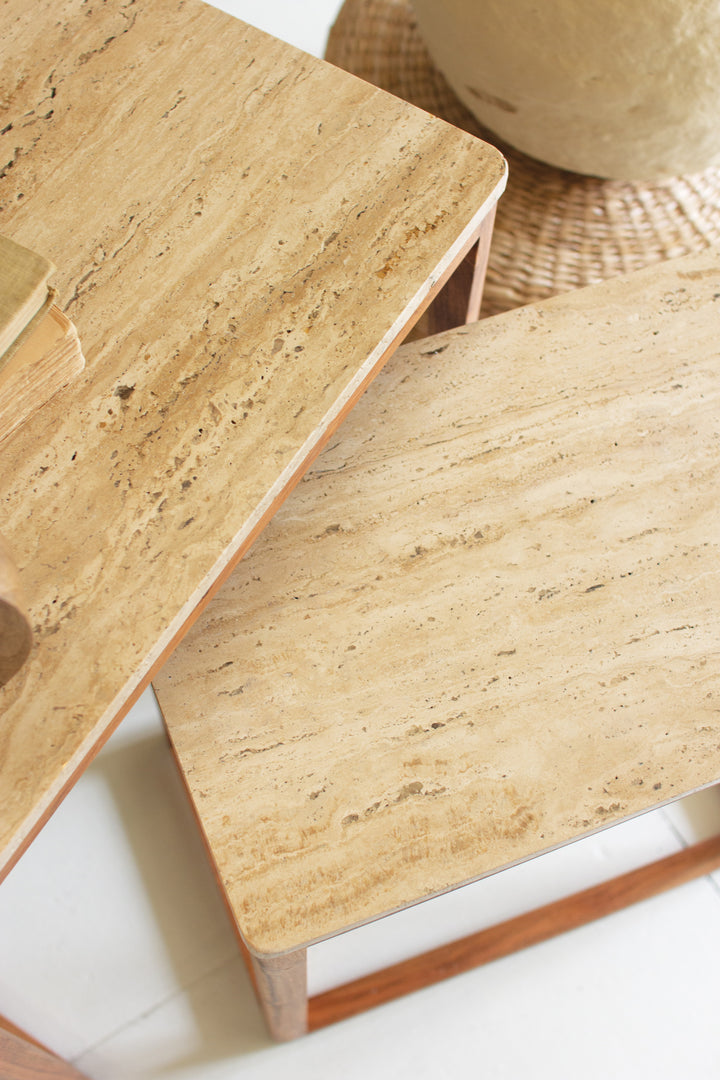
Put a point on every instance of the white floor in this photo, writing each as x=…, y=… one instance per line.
x=115, y=948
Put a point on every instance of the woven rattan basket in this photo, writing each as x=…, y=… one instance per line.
x=554, y=230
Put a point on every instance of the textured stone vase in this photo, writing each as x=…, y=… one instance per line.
x=628, y=89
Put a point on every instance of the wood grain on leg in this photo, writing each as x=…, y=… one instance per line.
x=482, y=254
x=281, y=987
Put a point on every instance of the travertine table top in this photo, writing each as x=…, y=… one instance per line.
x=484, y=624
x=242, y=234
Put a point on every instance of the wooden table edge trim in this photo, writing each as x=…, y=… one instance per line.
x=475, y=232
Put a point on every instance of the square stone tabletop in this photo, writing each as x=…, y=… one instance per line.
x=485, y=624
x=242, y=235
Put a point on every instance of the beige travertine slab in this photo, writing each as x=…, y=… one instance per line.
x=241, y=233
x=484, y=624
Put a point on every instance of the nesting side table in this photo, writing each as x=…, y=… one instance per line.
x=484, y=625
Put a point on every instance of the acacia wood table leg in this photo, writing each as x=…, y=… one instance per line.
x=507, y=937
x=460, y=300
x=281, y=987
x=482, y=254
x=23, y=1058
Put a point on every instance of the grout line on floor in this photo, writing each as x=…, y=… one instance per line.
x=674, y=830
x=180, y=991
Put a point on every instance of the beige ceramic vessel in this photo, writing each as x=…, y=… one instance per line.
x=605, y=87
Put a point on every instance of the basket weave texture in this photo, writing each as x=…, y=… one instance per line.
x=554, y=230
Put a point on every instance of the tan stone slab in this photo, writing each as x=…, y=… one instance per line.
x=484, y=624
x=242, y=233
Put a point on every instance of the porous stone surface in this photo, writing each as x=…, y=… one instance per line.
x=242, y=234
x=485, y=623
